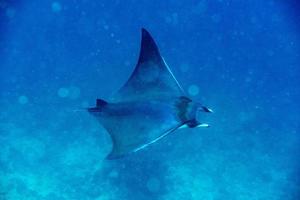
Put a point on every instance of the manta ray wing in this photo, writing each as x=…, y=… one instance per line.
x=151, y=78
x=133, y=126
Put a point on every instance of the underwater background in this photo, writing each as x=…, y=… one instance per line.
x=240, y=58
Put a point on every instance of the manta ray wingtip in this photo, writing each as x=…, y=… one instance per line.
x=144, y=30
x=145, y=33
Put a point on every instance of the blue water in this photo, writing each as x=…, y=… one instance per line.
x=240, y=58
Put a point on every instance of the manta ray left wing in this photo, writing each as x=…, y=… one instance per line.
x=151, y=78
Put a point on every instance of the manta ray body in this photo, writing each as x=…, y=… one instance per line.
x=149, y=106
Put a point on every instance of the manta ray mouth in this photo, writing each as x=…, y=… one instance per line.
x=206, y=109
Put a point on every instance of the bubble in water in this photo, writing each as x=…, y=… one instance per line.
x=113, y=174
x=153, y=185
x=193, y=90
x=127, y=63
x=74, y=92
x=10, y=12
x=56, y=6
x=106, y=27
x=201, y=7
x=85, y=104
x=184, y=67
x=216, y=18
x=23, y=99
x=63, y=92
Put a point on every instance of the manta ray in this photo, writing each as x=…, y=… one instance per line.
x=148, y=107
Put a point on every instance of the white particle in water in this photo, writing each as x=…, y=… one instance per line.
x=23, y=99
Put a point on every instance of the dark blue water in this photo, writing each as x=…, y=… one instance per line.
x=241, y=58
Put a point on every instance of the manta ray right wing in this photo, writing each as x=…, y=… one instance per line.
x=151, y=78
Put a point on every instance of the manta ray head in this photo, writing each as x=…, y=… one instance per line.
x=199, y=114
x=191, y=112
